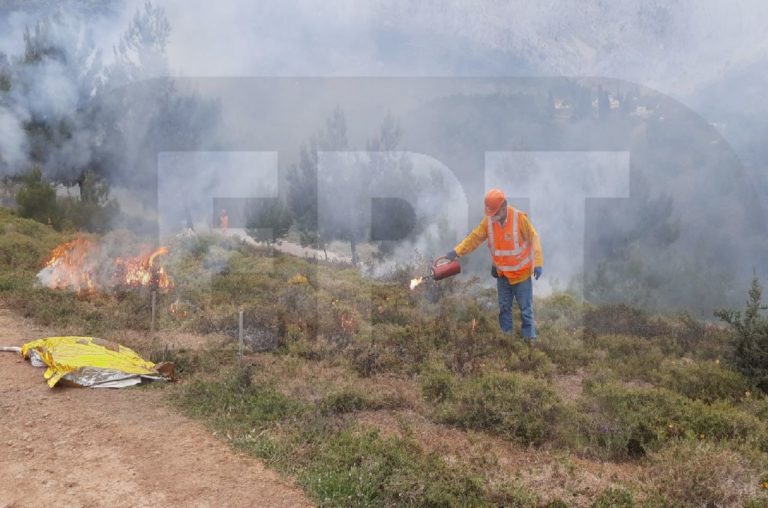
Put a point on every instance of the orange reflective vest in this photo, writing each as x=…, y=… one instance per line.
x=511, y=253
x=515, y=247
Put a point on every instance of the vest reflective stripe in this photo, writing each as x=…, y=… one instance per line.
x=515, y=268
x=511, y=252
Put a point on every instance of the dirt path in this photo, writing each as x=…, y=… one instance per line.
x=294, y=249
x=84, y=447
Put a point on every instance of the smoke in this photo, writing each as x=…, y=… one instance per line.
x=688, y=193
x=13, y=141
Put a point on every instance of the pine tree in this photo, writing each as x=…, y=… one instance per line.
x=750, y=352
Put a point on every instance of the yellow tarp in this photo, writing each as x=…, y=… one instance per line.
x=63, y=355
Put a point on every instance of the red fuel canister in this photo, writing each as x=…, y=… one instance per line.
x=442, y=268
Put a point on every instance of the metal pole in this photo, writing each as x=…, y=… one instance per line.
x=240, y=336
x=154, y=306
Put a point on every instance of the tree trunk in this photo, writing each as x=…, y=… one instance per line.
x=353, y=248
x=188, y=216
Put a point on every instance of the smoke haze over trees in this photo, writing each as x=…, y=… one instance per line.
x=92, y=97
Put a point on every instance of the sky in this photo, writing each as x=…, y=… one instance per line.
x=673, y=46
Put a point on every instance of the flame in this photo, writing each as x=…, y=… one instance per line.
x=74, y=265
x=416, y=282
x=177, y=310
x=141, y=271
x=347, y=322
x=70, y=266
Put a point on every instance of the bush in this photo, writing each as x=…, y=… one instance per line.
x=344, y=402
x=84, y=215
x=437, y=383
x=704, y=474
x=20, y=252
x=631, y=357
x=236, y=403
x=359, y=468
x=623, y=320
x=750, y=354
x=337, y=465
x=614, y=497
x=707, y=381
x=513, y=405
x=37, y=199
x=530, y=360
x=624, y=423
x=562, y=310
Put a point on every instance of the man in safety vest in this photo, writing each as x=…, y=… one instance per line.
x=516, y=255
x=224, y=222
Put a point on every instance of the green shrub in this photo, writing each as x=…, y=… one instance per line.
x=530, y=360
x=614, y=497
x=623, y=320
x=567, y=350
x=20, y=252
x=513, y=495
x=85, y=215
x=359, y=468
x=624, y=422
x=37, y=199
x=344, y=402
x=235, y=403
x=707, y=381
x=513, y=405
x=631, y=357
x=437, y=383
x=750, y=354
x=698, y=474
x=562, y=310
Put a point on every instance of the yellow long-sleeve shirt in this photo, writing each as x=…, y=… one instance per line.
x=478, y=235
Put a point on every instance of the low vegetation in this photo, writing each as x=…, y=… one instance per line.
x=370, y=394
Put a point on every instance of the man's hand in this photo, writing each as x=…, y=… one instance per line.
x=494, y=272
x=451, y=255
x=537, y=272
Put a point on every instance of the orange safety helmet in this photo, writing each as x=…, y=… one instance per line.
x=493, y=201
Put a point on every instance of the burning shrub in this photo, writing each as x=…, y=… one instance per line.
x=79, y=265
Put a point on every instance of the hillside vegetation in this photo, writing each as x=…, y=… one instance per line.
x=370, y=394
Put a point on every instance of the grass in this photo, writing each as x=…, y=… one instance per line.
x=338, y=463
x=653, y=389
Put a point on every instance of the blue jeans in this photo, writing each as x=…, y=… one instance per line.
x=523, y=293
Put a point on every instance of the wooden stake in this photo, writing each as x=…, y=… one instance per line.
x=240, y=336
x=154, y=306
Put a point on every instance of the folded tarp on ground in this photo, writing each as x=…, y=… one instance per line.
x=91, y=362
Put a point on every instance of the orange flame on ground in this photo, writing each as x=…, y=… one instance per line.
x=177, y=310
x=69, y=265
x=416, y=282
x=347, y=322
x=73, y=265
x=141, y=271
